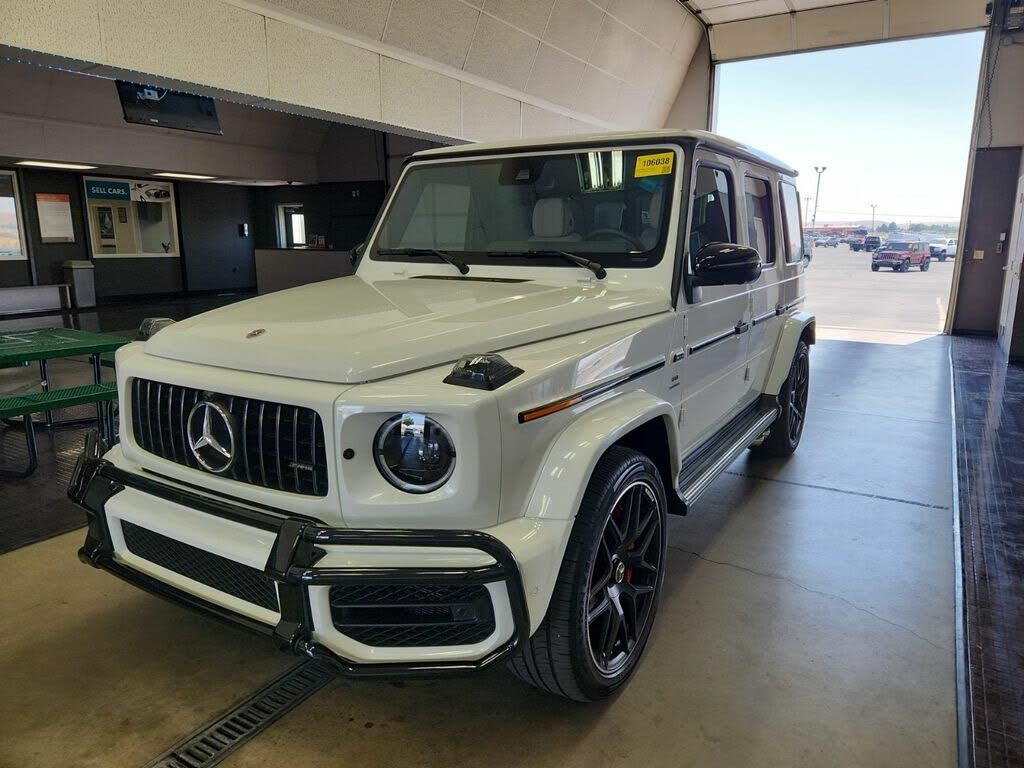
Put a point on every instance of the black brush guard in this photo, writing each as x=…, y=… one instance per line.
x=292, y=564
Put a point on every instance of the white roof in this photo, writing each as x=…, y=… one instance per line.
x=618, y=137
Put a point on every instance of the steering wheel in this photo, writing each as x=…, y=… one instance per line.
x=595, y=234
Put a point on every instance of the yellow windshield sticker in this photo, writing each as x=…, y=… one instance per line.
x=654, y=165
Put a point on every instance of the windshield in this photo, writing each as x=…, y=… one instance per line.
x=609, y=206
x=897, y=246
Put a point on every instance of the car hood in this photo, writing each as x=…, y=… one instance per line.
x=349, y=330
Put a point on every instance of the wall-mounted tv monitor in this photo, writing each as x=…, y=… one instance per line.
x=149, y=105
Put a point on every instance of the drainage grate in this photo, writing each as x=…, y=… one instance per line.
x=212, y=743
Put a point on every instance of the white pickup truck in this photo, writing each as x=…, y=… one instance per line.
x=941, y=249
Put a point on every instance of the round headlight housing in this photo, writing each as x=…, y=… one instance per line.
x=414, y=453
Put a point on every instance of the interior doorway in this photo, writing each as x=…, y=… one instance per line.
x=293, y=219
x=881, y=137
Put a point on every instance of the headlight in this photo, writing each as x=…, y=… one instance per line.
x=414, y=453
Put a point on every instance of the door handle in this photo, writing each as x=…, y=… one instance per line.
x=742, y=328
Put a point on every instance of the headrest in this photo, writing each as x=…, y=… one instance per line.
x=707, y=182
x=608, y=215
x=654, y=210
x=552, y=217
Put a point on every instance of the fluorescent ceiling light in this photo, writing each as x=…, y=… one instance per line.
x=63, y=166
x=194, y=176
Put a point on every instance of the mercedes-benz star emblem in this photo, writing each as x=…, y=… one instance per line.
x=211, y=436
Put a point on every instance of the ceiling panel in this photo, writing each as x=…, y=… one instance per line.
x=743, y=10
x=722, y=11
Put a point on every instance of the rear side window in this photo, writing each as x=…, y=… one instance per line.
x=760, y=219
x=791, y=222
x=713, y=217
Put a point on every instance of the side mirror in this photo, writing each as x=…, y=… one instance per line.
x=355, y=253
x=726, y=264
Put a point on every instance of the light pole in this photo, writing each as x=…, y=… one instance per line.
x=817, y=193
x=807, y=203
x=873, y=206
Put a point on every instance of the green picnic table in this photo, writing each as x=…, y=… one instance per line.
x=42, y=345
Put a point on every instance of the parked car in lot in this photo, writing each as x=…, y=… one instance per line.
x=872, y=243
x=856, y=244
x=942, y=249
x=901, y=256
x=464, y=453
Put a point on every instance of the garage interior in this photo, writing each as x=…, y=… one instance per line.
x=856, y=604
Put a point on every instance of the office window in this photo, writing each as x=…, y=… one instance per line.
x=760, y=219
x=129, y=218
x=713, y=206
x=791, y=222
x=12, y=241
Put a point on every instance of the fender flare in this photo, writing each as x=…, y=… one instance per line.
x=563, y=478
x=573, y=455
x=794, y=327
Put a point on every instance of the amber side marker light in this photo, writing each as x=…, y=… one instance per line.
x=547, y=410
x=598, y=389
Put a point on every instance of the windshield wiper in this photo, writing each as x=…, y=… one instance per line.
x=572, y=258
x=456, y=262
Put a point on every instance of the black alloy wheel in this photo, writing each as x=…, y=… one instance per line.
x=604, y=602
x=925, y=264
x=797, y=397
x=623, y=577
x=785, y=432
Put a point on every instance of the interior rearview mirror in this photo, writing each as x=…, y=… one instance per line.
x=726, y=264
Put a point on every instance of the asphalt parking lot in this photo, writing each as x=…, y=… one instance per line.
x=853, y=303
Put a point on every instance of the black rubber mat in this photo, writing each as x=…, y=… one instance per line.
x=989, y=398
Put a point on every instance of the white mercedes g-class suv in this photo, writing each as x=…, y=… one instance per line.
x=464, y=453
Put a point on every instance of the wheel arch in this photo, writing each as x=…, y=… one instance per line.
x=800, y=326
x=628, y=419
x=655, y=440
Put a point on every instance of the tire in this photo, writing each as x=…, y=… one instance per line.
x=874, y=267
x=925, y=264
x=560, y=656
x=786, y=431
x=942, y=256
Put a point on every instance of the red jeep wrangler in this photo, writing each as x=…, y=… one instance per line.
x=901, y=256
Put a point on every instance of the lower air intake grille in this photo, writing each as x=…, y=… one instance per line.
x=214, y=571
x=407, y=615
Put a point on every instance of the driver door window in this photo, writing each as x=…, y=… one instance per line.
x=713, y=208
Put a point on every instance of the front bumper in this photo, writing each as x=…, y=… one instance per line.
x=298, y=547
x=893, y=263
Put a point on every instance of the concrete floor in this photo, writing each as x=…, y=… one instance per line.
x=807, y=620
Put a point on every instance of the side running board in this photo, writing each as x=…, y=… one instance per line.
x=712, y=458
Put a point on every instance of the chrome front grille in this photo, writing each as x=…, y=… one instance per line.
x=278, y=446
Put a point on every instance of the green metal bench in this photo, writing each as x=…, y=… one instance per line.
x=39, y=402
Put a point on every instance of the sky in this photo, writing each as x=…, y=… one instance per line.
x=891, y=122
